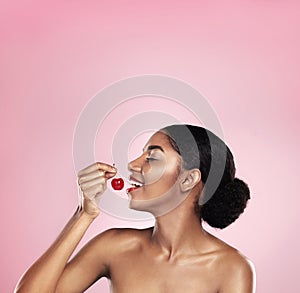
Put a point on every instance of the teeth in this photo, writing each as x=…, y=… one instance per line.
x=136, y=184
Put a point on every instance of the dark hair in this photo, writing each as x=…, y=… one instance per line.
x=230, y=198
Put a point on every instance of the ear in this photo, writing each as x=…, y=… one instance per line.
x=190, y=179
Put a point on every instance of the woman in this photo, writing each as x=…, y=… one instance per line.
x=177, y=254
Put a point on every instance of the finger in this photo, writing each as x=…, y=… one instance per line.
x=94, y=191
x=109, y=175
x=91, y=176
x=88, y=184
x=97, y=166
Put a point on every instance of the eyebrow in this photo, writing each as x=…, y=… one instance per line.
x=154, y=147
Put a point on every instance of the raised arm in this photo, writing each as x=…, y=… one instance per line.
x=47, y=272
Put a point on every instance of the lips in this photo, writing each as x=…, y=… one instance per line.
x=135, y=183
x=131, y=189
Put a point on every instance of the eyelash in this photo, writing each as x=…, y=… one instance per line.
x=150, y=159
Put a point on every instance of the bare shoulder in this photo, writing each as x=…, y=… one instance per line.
x=236, y=271
x=233, y=262
x=123, y=239
x=227, y=255
x=125, y=233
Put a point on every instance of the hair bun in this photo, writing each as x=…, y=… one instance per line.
x=226, y=205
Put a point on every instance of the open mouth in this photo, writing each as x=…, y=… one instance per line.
x=135, y=184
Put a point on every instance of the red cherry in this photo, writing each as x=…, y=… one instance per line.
x=117, y=183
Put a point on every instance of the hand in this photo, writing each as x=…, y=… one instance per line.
x=92, y=183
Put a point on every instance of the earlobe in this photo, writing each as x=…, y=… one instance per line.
x=191, y=178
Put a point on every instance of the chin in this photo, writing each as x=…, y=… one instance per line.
x=139, y=205
x=156, y=206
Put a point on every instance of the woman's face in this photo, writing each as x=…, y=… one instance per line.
x=157, y=169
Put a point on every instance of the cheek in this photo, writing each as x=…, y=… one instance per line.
x=163, y=172
x=171, y=174
x=154, y=172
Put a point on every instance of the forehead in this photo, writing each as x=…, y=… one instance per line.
x=160, y=139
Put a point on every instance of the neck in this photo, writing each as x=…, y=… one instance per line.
x=179, y=232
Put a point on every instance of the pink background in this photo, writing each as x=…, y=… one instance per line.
x=242, y=55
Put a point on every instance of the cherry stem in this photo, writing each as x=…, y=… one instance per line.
x=118, y=176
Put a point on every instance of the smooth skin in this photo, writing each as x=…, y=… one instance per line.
x=176, y=255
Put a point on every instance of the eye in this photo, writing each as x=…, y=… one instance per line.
x=149, y=159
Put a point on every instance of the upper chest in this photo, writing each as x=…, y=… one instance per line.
x=146, y=272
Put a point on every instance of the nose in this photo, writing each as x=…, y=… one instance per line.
x=135, y=165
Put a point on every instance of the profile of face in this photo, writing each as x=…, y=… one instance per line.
x=159, y=170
